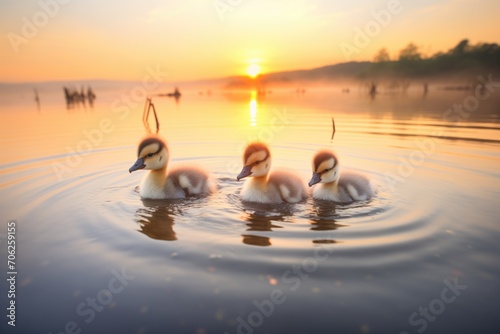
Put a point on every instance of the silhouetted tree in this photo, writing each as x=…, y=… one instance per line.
x=382, y=56
x=463, y=60
x=461, y=48
x=410, y=53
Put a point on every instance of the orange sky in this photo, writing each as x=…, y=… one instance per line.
x=193, y=39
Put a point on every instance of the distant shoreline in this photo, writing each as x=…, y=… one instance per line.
x=457, y=69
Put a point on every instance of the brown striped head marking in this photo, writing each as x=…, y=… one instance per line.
x=261, y=149
x=150, y=145
x=324, y=159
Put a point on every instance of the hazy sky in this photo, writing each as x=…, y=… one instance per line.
x=190, y=39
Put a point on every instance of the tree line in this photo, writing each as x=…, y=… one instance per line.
x=462, y=60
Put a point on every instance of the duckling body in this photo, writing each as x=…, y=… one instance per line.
x=179, y=182
x=336, y=186
x=350, y=187
x=264, y=187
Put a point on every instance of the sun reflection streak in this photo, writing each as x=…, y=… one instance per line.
x=253, y=109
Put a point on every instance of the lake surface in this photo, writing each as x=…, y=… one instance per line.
x=91, y=257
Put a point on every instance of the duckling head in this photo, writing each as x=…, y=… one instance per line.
x=325, y=168
x=256, y=161
x=152, y=154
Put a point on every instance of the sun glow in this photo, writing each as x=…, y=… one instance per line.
x=253, y=70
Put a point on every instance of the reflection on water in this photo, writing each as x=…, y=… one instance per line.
x=253, y=109
x=438, y=222
x=323, y=219
x=259, y=222
x=156, y=220
x=256, y=240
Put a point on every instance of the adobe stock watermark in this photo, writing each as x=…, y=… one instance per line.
x=30, y=27
x=121, y=107
x=436, y=306
x=426, y=147
x=414, y=159
x=363, y=37
x=266, y=134
x=292, y=278
x=225, y=6
x=87, y=310
x=483, y=91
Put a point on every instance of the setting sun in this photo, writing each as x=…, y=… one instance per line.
x=253, y=70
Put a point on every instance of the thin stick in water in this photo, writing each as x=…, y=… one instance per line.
x=333, y=130
x=145, y=116
x=156, y=118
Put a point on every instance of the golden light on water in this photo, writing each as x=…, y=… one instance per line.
x=253, y=109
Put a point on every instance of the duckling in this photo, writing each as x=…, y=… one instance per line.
x=180, y=182
x=334, y=186
x=278, y=187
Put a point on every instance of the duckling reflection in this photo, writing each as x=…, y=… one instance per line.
x=262, y=222
x=323, y=220
x=256, y=240
x=323, y=217
x=156, y=221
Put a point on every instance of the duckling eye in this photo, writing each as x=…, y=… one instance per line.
x=256, y=163
x=327, y=170
x=150, y=155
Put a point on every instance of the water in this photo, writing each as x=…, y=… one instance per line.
x=92, y=256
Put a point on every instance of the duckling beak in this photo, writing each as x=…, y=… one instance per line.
x=139, y=164
x=246, y=171
x=316, y=178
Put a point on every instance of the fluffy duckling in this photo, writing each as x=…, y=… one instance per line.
x=180, y=182
x=333, y=186
x=278, y=187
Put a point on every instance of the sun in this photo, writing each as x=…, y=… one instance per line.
x=253, y=70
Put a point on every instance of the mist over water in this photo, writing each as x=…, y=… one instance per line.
x=217, y=265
